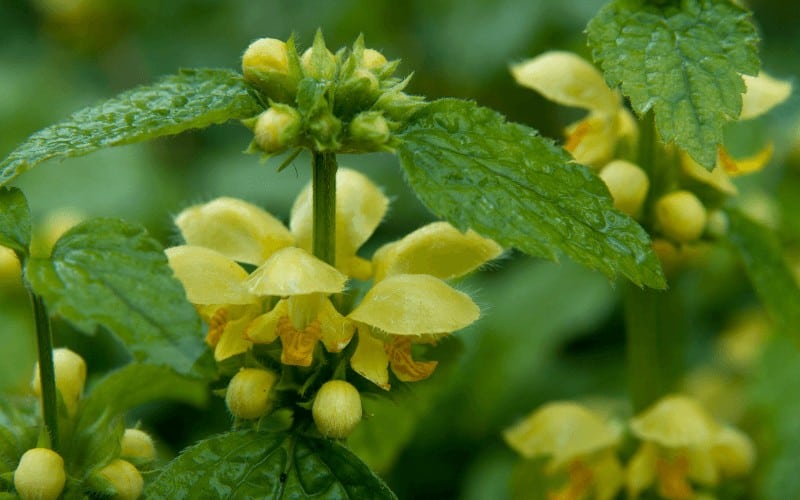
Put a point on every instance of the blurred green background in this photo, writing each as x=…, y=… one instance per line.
x=550, y=331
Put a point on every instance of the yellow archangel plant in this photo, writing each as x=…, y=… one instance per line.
x=409, y=301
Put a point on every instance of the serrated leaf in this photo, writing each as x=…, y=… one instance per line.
x=96, y=436
x=474, y=169
x=191, y=99
x=110, y=273
x=683, y=60
x=251, y=464
x=15, y=221
x=770, y=275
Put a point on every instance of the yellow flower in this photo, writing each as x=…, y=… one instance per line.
x=580, y=444
x=682, y=444
x=763, y=93
x=569, y=80
x=226, y=231
x=410, y=302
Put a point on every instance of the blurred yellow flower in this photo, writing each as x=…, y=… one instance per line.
x=579, y=442
x=682, y=444
x=569, y=80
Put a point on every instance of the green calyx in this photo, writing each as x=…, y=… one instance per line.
x=349, y=102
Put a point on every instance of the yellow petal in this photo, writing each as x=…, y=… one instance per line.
x=567, y=79
x=370, y=359
x=702, y=469
x=360, y=207
x=734, y=167
x=641, y=471
x=592, y=140
x=415, y=304
x=264, y=328
x=356, y=267
x=232, y=341
x=208, y=276
x=733, y=452
x=293, y=271
x=403, y=364
x=437, y=249
x=675, y=422
x=562, y=430
x=608, y=475
x=628, y=185
x=718, y=178
x=336, y=329
x=763, y=93
x=236, y=229
x=298, y=344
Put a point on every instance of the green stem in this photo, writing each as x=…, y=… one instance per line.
x=47, y=374
x=655, y=343
x=324, y=206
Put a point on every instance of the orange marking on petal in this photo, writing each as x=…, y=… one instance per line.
x=216, y=325
x=672, y=483
x=298, y=345
x=580, y=480
x=403, y=365
x=727, y=162
x=574, y=139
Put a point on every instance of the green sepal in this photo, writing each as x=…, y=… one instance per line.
x=15, y=221
x=762, y=255
x=194, y=98
x=471, y=167
x=252, y=464
x=683, y=60
x=110, y=273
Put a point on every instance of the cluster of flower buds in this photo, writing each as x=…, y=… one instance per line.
x=343, y=102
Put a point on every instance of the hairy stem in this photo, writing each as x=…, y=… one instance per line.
x=324, y=205
x=47, y=375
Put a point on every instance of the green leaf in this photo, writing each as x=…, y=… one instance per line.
x=193, y=98
x=770, y=275
x=15, y=221
x=96, y=437
x=683, y=60
x=474, y=169
x=251, y=464
x=107, y=272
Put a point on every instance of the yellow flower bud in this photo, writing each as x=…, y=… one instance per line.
x=372, y=59
x=10, y=268
x=248, y=394
x=681, y=216
x=265, y=64
x=628, y=185
x=138, y=445
x=125, y=478
x=265, y=55
x=337, y=409
x=70, y=371
x=40, y=475
x=276, y=128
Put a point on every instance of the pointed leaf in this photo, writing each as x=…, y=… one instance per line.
x=193, y=98
x=772, y=279
x=110, y=273
x=474, y=169
x=15, y=221
x=681, y=59
x=250, y=464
